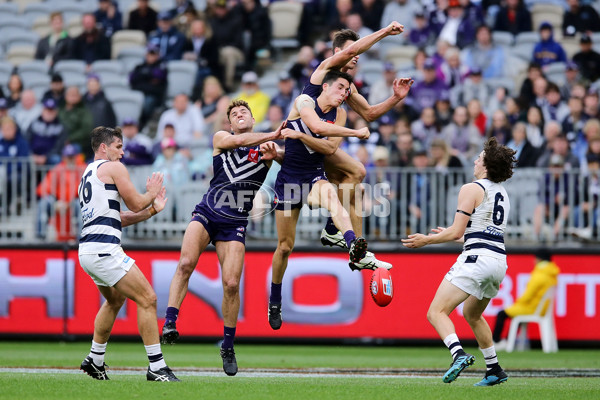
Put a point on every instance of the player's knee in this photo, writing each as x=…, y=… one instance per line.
x=285, y=248
x=358, y=174
x=147, y=300
x=186, y=266
x=231, y=286
x=432, y=314
x=471, y=317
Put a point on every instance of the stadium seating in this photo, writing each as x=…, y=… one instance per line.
x=285, y=20
x=269, y=83
x=9, y=9
x=20, y=54
x=126, y=38
x=38, y=83
x=371, y=70
x=35, y=67
x=181, y=77
x=501, y=38
x=64, y=67
x=74, y=79
x=41, y=26
x=20, y=38
x=545, y=322
x=400, y=54
x=5, y=71
x=126, y=103
x=131, y=57
x=34, y=10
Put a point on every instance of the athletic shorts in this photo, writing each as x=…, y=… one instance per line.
x=291, y=190
x=220, y=228
x=106, y=269
x=478, y=275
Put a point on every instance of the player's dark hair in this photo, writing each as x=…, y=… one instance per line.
x=102, y=134
x=334, y=74
x=499, y=160
x=341, y=37
x=237, y=103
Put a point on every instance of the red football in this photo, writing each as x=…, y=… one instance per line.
x=382, y=290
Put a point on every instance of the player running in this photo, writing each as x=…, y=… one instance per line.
x=104, y=183
x=475, y=278
x=302, y=176
x=344, y=171
x=240, y=161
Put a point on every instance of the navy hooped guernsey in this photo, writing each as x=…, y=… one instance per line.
x=238, y=175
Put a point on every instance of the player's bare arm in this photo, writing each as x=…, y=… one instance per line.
x=370, y=113
x=223, y=140
x=116, y=173
x=130, y=217
x=469, y=197
x=341, y=58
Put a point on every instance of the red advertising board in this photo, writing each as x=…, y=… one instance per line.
x=322, y=297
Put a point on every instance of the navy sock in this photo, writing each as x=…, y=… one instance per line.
x=275, y=293
x=228, y=337
x=330, y=227
x=349, y=236
x=171, y=315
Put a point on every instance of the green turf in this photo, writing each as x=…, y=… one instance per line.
x=78, y=386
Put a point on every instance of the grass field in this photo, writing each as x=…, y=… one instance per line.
x=35, y=370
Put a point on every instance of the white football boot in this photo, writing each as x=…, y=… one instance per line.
x=369, y=262
x=333, y=240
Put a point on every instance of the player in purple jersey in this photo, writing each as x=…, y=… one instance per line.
x=240, y=160
x=302, y=178
x=342, y=170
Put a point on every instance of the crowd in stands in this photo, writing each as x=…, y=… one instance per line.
x=472, y=81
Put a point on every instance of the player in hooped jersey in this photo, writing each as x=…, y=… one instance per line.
x=241, y=161
x=480, y=221
x=343, y=170
x=302, y=178
x=104, y=183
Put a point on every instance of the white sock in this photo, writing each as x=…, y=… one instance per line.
x=97, y=353
x=155, y=357
x=451, y=341
x=491, y=360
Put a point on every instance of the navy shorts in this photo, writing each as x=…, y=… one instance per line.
x=218, y=227
x=291, y=190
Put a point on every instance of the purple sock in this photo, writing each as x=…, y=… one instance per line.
x=349, y=236
x=330, y=227
x=228, y=336
x=171, y=315
x=275, y=293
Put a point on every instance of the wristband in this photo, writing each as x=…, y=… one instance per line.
x=152, y=210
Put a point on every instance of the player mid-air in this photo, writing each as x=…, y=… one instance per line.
x=302, y=179
x=241, y=161
x=475, y=277
x=342, y=170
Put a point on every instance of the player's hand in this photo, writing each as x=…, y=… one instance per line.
x=363, y=133
x=154, y=183
x=395, y=28
x=268, y=151
x=439, y=229
x=401, y=87
x=160, y=201
x=278, y=131
x=290, y=133
x=415, y=241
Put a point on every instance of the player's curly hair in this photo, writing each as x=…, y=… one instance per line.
x=103, y=134
x=341, y=37
x=237, y=103
x=499, y=160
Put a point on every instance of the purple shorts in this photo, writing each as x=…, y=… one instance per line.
x=220, y=229
x=291, y=190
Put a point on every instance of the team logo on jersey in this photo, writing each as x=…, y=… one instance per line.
x=240, y=229
x=253, y=155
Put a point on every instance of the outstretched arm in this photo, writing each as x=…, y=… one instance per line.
x=305, y=107
x=370, y=113
x=224, y=140
x=130, y=217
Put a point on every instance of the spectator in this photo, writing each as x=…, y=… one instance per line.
x=57, y=45
x=101, y=109
x=588, y=60
x=371, y=12
x=137, y=147
x=404, y=154
x=229, y=41
x=484, y=55
x=47, y=135
x=590, y=104
x=540, y=86
x=477, y=116
x=535, y=123
x=554, y=109
x=150, y=78
x=548, y=51
x=573, y=124
x=12, y=144
x=213, y=103
x=304, y=66
x=92, y=44
x=580, y=18
x=591, y=194
x=425, y=129
x=143, y=18
x=441, y=159
x=397, y=10
x=452, y=72
x=458, y=29
x=526, y=154
x=438, y=16
x=443, y=110
x=15, y=88
x=441, y=47
x=286, y=93
x=385, y=187
x=514, y=111
x=167, y=132
x=543, y=277
x=420, y=34
x=498, y=101
x=274, y=117
x=56, y=91
x=572, y=78
x=27, y=110
x=256, y=25
x=559, y=146
x=109, y=17
x=534, y=71
x=257, y=100
x=167, y=38
x=383, y=88
x=462, y=136
x=474, y=87
x=513, y=17
x=182, y=8
x=419, y=190
x=4, y=109
x=500, y=127
x=183, y=15
x=58, y=196
x=172, y=164
x=581, y=146
x=354, y=22
x=186, y=119
x=201, y=48
x=78, y=121
x=425, y=92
